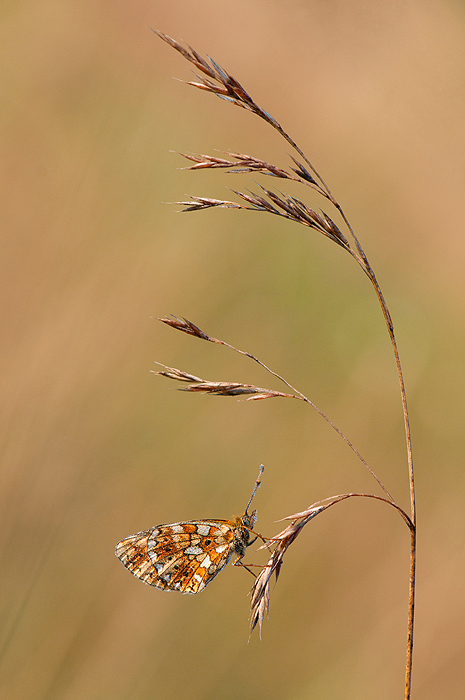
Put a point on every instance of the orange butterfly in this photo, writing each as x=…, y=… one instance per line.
x=186, y=556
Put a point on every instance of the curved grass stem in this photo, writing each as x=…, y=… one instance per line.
x=213, y=78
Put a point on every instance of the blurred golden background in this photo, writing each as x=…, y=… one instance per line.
x=96, y=448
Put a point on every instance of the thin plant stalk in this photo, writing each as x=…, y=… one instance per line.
x=186, y=326
x=216, y=80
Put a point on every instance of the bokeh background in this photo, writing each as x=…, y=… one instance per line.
x=94, y=447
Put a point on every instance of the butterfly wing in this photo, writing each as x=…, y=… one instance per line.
x=183, y=556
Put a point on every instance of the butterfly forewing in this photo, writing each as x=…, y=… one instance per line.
x=185, y=556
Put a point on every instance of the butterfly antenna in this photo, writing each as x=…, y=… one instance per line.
x=257, y=486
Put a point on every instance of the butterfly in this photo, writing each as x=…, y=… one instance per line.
x=186, y=556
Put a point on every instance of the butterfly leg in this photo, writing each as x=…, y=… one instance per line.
x=244, y=566
x=257, y=536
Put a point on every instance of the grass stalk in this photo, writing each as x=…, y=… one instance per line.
x=213, y=78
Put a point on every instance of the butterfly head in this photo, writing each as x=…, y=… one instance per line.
x=248, y=520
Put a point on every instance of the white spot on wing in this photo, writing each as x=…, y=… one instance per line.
x=221, y=548
x=203, y=529
x=193, y=550
x=178, y=529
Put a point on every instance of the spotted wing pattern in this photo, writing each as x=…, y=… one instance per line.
x=185, y=556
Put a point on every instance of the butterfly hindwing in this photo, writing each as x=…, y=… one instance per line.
x=184, y=556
